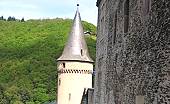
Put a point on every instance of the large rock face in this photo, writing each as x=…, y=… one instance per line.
x=133, y=52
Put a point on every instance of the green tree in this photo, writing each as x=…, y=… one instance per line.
x=9, y=18
x=1, y=18
x=41, y=95
x=22, y=20
x=28, y=53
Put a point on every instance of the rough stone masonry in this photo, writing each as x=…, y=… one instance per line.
x=133, y=52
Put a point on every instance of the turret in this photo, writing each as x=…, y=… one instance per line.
x=75, y=67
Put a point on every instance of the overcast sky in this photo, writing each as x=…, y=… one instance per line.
x=39, y=9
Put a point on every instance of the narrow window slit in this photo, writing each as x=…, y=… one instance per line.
x=64, y=65
x=69, y=96
x=126, y=16
x=81, y=52
x=115, y=28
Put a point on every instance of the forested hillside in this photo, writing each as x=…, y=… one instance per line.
x=28, y=53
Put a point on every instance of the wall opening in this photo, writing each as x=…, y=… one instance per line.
x=64, y=65
x=116, y=57
x=69, y=97
x=115, y=28
x=81, y=52
x=126, y=16
x=168, y=75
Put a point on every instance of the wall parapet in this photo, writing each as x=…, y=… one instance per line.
x=62, y=71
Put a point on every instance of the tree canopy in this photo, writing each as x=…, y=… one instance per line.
x=28, y=53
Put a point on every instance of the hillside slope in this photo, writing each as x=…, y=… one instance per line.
x=28, y=53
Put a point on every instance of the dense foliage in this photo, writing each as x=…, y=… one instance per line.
x=28, y=53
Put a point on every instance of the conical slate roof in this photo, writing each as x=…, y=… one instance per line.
x=76, y=47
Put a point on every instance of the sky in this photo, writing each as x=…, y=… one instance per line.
x=43, y=9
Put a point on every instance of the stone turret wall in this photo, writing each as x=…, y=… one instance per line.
x=133, y=52
x=73, y=77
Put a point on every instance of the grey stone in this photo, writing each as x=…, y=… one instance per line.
x=133, y=52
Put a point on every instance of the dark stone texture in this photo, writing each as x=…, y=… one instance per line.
x=88, y=96
x=137, y=62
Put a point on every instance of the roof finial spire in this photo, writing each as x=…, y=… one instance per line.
x=76, y=47
x=78, y=3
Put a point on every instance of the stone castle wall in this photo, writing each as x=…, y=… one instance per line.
x=133, y=52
